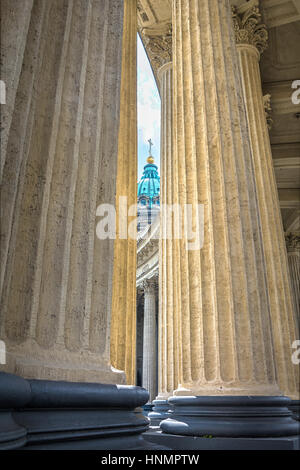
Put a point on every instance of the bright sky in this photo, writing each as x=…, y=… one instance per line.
x=148, y=110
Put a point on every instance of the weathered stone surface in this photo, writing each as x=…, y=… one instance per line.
x=282, y=315
x=14, y=31
x=61, y=163
x=226, y=332
x=123, y=331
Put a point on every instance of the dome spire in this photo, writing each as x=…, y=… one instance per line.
x=148, y=192
x=150, y=159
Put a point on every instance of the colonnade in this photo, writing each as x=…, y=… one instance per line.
x=226, y=315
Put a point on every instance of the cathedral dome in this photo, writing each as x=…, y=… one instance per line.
x=149, y=185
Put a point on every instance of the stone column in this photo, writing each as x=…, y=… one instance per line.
x=293, y=252
x=123, y=334
x=227, y=360
x=167, y=298
x=149, y=343
x=13, y=40
x=60, y=165
x=167, y=331
x=251, y=38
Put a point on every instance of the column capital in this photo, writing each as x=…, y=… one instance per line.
x=158, y=44
x=292, y=241
x=248, y=28
x=149, y=286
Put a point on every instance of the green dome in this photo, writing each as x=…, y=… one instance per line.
x=149, y=186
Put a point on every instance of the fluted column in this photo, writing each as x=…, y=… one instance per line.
x=60, y=165
x=293, y=252
x=167, y=330
x=14, y=31
x=225, y=325
x=251, y=38
x=123, y=334
x=149, y=343
x=168, y=344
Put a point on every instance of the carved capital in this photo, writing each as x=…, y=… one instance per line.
x=292, y=241
x=149, y=286
x=249, y=29
x=158, y=45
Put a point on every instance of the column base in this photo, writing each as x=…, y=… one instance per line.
x=294, y=407
x=159, y=412
x=186, y=443
x=231, y=417
x=42, y=415
x=14, y=393
x=147, y=409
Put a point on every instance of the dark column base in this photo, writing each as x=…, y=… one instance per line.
x=159, y=412
x=176, y=442
x=295, y=409
x=231, y=417
x=41, y=414
x=12, y=436
x=147, y=409
x=14, y=393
